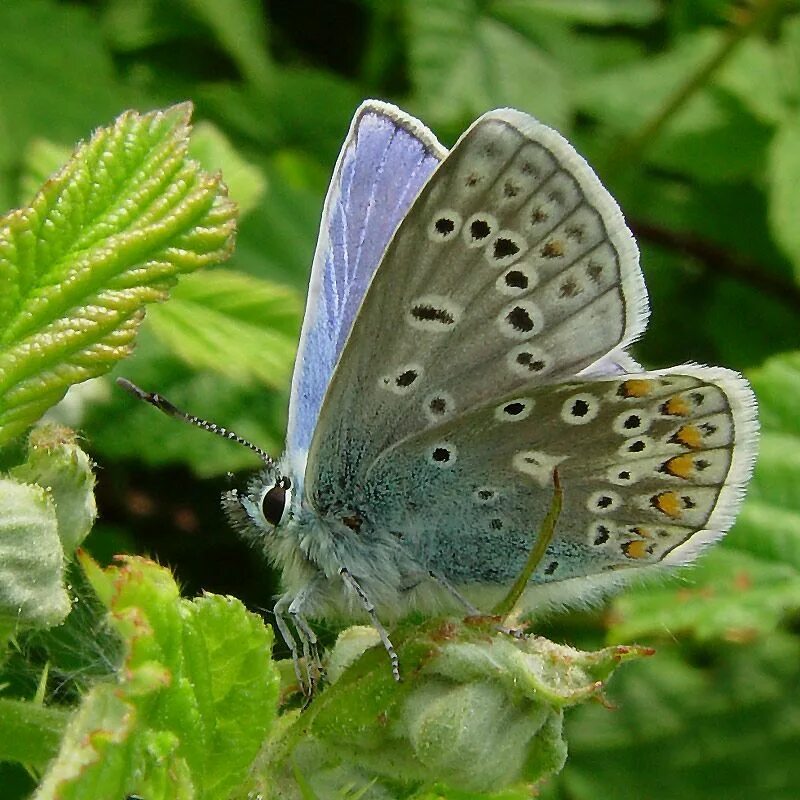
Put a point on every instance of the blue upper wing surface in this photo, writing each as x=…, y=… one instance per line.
x=386, y=159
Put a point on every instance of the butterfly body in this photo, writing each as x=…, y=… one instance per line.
x=465, y=337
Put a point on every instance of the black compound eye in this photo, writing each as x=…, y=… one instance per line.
x=274, y=502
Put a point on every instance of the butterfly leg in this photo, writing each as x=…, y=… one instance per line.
x=376, y=623
x=308, y=639
x=281, y=607
x=472, y=610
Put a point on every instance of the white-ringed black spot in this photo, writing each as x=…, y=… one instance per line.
x=603, y=502
x=503, y=248
x=601, y=534
x=580, y=409
x=405, y=379
x=514, y=410
x=631, y=422
x=530, y=361
x=402, y=379
x=526, y=360
x=622, y=475
x=434, y=313
x=444, y=226
x=428, y=313
x=442, y=455
x=635, y=446
x=510, y=189
x=520, y=319
x=518, y=279
x=515, y=279
x=479, y=229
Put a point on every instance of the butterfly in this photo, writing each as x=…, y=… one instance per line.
x=464, y=342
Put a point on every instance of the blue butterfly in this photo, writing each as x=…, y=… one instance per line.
x=465, y=337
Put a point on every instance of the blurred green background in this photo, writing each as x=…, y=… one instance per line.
x=689, y=111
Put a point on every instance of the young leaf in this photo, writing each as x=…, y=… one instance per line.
x=107, y=234
x=192, y=703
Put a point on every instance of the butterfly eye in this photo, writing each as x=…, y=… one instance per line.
x=273, y=503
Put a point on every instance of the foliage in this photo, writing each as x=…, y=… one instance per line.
x=689, y=111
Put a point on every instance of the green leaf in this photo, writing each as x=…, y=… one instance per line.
x=106, y=235
x=784, y=189
x=463, y=63
x=588, y=12
x=753, y=75
x=57, y=78
x=689, y=726
x=240, y=27
x=29, y=732
x=192, y=702
x=712, y=136
x=234, y=324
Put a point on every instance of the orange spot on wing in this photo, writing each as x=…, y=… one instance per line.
x=676, y=406
x=679, y=466
x=689, y=436
x=668, y=503
x=635, y=387
x=635, y=549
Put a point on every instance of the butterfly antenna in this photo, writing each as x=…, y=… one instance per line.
x=164, y=405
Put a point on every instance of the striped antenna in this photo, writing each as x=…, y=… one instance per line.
x=162, y=404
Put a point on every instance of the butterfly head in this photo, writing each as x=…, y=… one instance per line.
x=263, y=506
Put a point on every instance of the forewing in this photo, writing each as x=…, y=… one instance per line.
x=513, y=266
x=652, y=466
x=384, y=162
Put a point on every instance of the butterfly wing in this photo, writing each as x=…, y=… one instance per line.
x=652, y=468
x=386, y=158
x=512, y=267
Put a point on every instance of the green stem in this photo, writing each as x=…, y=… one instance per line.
x=506, y=605
x=631, y=147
